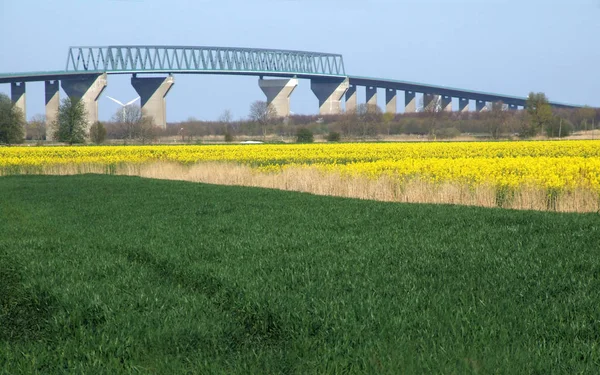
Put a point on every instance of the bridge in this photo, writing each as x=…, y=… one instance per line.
x=86, y=70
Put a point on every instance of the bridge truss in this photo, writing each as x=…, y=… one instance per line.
x=139, y=59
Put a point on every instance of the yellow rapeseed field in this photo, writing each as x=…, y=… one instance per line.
x=554, y=165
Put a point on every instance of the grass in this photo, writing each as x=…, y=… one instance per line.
x=114, y=274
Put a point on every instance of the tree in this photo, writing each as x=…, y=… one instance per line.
x=133, y=125
x=226, y=116
x=559, y=127
x=71, y=122
x=35, y=129
x=432, y=111
x=539, y=112
x=128, y=120
x=11, y=122
x=586, y=115
x=498, y=117
x=303, y=135
x=387, y=121
x=368, y=117
x=146, y=131
x=262, y=113
x=97, y=133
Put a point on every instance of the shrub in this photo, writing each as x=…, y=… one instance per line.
x=559, y=128
x=447, y=133
x=304, y=135
x=333, y=137
x=97, y=133
x=228, y=137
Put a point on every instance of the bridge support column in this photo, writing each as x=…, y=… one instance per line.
x=278, y=93
x=371, y=98
x=410, y=102
x=88, y=90
x=480, y=105
x=428, y=101
x=330, y=93
x=52, y=104
x=391, y=101
x=17, y=95
x=513, y=107
x=351, y=100
x=446, y=103
x=463, y=105
x=152, y=92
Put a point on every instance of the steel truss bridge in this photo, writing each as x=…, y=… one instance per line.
x=87, y=67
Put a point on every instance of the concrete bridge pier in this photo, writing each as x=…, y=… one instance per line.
x=391, y=101
x=351, y=100
x=152, y=92
x=17, y=95
x=480, y=105
x=371, y=98
x=463, y=105
x=410, y=102
x=513, y=107
x=52, y=104
x=429, y=100
x=88, y=90
x=446, y=103
x=278, y=93
x=330, y=93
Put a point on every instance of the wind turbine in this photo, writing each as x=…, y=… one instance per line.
x=123, y=105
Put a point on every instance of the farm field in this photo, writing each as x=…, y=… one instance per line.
x=550, y=175
x=116, y=274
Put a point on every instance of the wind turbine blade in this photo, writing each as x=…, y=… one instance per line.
x=133, y=101
x=115, y=100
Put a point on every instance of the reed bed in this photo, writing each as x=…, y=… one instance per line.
x=314, y=180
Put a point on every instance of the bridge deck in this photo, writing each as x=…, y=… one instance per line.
x=446, y=91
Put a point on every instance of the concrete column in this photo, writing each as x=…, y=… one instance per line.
x=446, y=103
x=152, y=92
x=351, y=100
x=278, y=93
x=88, y=90
x=330, y=93
x=410, y=102
x=480, y=105
x=52, y=104
x=513, y=107
x=428, y=100
x=463, y=105
x=371, y=96
x=391, y=101
x=17, y=95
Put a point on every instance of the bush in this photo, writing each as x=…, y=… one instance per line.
x=559, y=128
x=97, y=133
x=228, y=137
x=333, y=137
x=446, y=133
x=304, y=135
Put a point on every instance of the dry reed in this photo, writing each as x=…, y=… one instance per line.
x=311, y=180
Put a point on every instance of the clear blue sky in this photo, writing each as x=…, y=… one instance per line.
x=503, y=46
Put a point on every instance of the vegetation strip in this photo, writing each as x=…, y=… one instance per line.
x=555, y=171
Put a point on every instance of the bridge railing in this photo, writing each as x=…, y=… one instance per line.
x=124, y=59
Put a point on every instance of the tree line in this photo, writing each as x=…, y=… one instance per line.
x=129, y=125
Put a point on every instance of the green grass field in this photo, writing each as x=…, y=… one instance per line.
x=108, y=275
